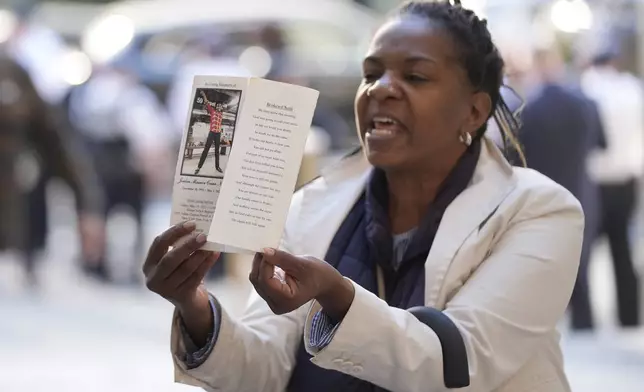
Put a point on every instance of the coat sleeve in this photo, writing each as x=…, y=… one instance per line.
x=503, y=312
x=251, y=354
x=254, y=353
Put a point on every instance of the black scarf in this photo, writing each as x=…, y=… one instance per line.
x=363, y=241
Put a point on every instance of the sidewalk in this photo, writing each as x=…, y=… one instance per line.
x=77, y=336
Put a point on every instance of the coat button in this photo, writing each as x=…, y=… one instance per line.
x=357, y=369
x=347, y=367
x=338, y=362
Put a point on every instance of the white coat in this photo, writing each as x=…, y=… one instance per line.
x=502, y=267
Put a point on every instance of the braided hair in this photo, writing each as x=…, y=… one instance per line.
x=478, y=55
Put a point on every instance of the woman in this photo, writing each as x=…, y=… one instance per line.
x=433, y=217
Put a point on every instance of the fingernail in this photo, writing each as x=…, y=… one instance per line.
x=191, y=225
x=269, y=252
x=201, y=238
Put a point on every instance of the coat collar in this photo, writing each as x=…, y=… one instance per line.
x=493, y=180
x=325, y=204
x=327, y=201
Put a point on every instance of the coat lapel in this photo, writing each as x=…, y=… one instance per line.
x=492, y=182
x=326, y=203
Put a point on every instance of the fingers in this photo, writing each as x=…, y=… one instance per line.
x=270, y=281
x=280, y=287
x=198, y=275
x=257, y=282
x=173, y=259
x=296, y=288
x=262, y=272
x=266, y=271
x=254, y=272
x=270, y=286
x=162, y=242
x=187, y=268
x=292, y=265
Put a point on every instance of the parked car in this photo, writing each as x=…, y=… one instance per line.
x=325, y=38
x=67, y=19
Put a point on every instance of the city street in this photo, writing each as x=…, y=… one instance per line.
x=78, y=336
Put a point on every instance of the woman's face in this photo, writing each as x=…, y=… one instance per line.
x=415, y=99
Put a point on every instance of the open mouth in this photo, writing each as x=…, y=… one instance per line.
x=384, y=127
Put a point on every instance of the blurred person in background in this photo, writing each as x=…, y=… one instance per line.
x=458, y=266
x=515, y=104
x=30, y=138
x=39, y=50
x=618, y=170
x=332, y=130
x=273, y=38
x=561, y=127
x=207, y=56
x=129, y=135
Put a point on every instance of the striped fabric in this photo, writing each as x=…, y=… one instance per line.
x=322, y=327
x=196, y=356
x=322, y=330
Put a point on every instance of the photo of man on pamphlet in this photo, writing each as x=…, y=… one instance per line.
x=240, y=197
x=211, y=131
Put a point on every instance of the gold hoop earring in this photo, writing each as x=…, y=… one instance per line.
x=465, y=138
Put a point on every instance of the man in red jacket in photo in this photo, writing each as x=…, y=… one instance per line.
x=216, y=112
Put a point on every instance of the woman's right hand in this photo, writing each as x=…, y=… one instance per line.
x=177, y=275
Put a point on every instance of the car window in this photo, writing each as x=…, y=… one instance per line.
x=328, y=48
x=165, y=46
x=316, y=39
x=313, y=45
x=313, y=34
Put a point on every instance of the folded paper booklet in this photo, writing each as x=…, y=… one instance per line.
x=239, y=161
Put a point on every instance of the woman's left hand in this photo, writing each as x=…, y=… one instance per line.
x=298, y=281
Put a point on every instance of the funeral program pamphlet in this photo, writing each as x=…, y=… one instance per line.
x=240, y=158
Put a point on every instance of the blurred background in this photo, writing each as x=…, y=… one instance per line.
x=94, y=95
